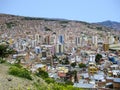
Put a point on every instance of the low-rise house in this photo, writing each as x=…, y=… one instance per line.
x=115, y=70
x=85, y=76
x=92, y=68
x=116, y=83
x=38, y=66
x=84, y=85
x=109, y=79
x=62, y=70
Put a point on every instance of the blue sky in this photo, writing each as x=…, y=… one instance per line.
x=83, y=10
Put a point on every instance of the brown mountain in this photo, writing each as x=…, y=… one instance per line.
x=111, y=24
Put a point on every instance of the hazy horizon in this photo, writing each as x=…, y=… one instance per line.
x=57, y=18
x=80, y=10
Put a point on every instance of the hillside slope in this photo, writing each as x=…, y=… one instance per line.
x=110, y=24
x=10, y=82
x=14, y=25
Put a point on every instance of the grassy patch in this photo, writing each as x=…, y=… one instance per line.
x=20, y=72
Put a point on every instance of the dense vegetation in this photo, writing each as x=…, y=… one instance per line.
x=16, y=70
x=55, y=86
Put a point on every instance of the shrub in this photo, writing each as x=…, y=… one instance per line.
x=55, y=86
x=69, y=83
x=73, y=64
x=49, y=80
x=5, y=51
x=2, y=61
x=81, y=65
x=47, y=29
x=20, y=72
x=39, y=86
x=68, y=87
x=17, y=65
x=98, y=57
x=99, y=28
x=42, y=74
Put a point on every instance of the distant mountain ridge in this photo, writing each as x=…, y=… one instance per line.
x=14, y=24
x=110, y=24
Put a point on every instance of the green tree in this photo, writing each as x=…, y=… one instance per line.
x=73, y=64
x=41, y=73
x=81, y=65
x=97, y=58
x=5, y=51
x=65, y=61
x=75, y=76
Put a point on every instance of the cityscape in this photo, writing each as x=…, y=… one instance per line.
x=64, y=47
x=59, y=45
